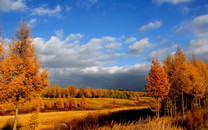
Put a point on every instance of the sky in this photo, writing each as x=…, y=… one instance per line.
x=108, y=44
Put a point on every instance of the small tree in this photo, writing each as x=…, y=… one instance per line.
x=21, y=78
x=83, y=102
x=73, y=103
x=157, y=85
x=60, y=103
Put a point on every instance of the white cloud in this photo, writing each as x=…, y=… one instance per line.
x=74, y=37
x=59, y=33
x=57, y=52
x=162, y=53
x=42, y=11
x=32, y=22
x=199, y=47
x=198, y=25
x=114, y=45
x=139, y=46
x=151, y=25
x=130, y=40
x=164, y=42
x=12, y=5
x=172, y=1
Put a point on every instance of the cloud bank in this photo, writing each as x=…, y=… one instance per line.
x=91, y=64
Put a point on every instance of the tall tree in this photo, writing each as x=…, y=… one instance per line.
x=157, y=85
x=22, y=78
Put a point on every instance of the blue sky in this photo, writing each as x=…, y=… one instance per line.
x=108, y=43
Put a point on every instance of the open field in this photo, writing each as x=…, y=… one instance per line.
x=94, y=105
x=91, y=104
x=48, y=119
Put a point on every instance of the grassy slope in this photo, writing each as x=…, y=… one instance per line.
x=96, y=104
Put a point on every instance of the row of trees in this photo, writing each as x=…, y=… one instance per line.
x=72, y=91
x=45, y=104
x=181, y=83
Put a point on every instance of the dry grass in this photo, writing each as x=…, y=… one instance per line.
x=104, y=106
x=91, y=104
x=164, y=123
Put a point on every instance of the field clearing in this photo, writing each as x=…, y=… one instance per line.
x=94, y=105
x=48, y=119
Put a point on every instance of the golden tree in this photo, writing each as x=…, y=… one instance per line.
x=88, y=92
x=21, y=77
x=83, y=102
x=157, y=85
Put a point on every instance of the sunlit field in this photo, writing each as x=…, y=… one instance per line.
x=104, y=65
x=98, y=105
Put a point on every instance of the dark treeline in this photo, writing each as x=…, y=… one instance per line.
x=74, y=92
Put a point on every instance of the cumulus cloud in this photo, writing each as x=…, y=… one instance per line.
x=198, y=25
x=85, y=64
x=198, y=47
x=172, y=1
x=151, y=25
x=43, y=11
x=68, y=52
x=164, y=42
x=32, y=22
x=114, y=45
x=162, y=53
x=130, y=40
x=139, y=46
x=12, y=5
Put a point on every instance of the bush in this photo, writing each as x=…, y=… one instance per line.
x=195, y=119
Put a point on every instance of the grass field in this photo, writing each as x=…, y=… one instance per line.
x=46, y=120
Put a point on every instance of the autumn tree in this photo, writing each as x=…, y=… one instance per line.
x=21, y=78
x=81, y=92
x=60, y=103
x=73, y=91
x=88, y=92
x=83, y=102
x=157, y=82
x=73, y=102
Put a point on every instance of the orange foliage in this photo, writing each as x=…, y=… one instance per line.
x=157, y=81
x=21, y=78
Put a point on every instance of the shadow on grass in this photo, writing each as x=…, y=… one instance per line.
x=93, y=121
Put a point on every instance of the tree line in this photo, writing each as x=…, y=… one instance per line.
x=180, y=83
x=56, y=91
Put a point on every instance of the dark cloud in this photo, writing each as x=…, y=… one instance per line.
x=128, y=78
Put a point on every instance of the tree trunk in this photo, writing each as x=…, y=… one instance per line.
x=171, y=108
x=182, y=103
x=175, y=107
x=158, y=108
x=15, y=118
